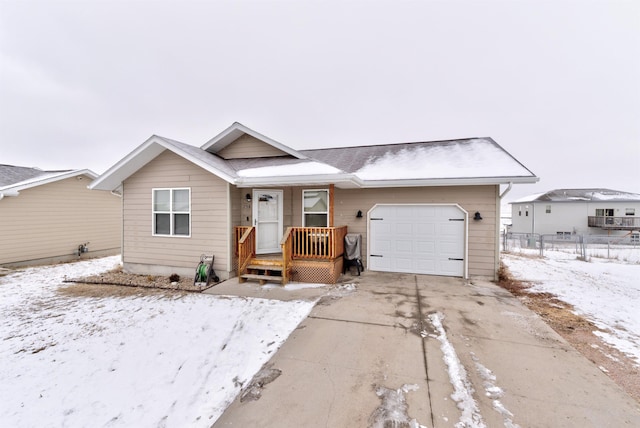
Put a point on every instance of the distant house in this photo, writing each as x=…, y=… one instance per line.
x=48, y=215
x=270, y=212
x=566, y=212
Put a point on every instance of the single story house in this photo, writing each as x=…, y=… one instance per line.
x=567, y=212
x=266, y=210
x=51, y=216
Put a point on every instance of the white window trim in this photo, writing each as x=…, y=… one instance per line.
x=170, y=212
x=304, y=218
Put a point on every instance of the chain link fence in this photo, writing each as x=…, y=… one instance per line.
x=624, y=247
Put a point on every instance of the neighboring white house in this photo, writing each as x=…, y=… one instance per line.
x=566, y=212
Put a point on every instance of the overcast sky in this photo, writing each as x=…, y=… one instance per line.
x=556, y=83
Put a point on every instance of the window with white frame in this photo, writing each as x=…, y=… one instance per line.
x=547, y=209
x=172, y=212
x=315, y=208
x=629, y=211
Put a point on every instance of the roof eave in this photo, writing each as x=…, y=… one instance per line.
x=427, y=182
x=15, y=189
x=142, y=155
x=340, y=180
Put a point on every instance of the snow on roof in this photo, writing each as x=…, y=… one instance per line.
x=300, y=168
x=580, y=195
x=469, y=161
x=459, y=159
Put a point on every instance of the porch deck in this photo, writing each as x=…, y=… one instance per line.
x=614, y=223
x=309, y=254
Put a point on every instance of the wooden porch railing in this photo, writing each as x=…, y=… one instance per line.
x=239, y=231
x=246, y=248
x=286, y=244
x=317, y=242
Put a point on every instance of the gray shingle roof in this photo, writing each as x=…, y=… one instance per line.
x=11, y=174
x=351, y=159
x=578, y=195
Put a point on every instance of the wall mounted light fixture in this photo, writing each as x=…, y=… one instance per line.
x=248, y=197
x=359, y=214
x=477, y=216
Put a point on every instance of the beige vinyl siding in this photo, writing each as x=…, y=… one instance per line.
x=249, y=147
x=47, y=223
x=482, y=243
x=210, y=223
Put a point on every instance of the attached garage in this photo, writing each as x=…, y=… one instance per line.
x=418, y=238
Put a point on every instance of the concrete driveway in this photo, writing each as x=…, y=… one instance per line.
x=411, y=350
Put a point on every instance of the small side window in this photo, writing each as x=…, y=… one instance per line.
x=629, y=211
x=315, y=208
x=547, y=209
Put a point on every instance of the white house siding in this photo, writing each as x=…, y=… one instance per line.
x=482, y=240
x=565, y=217
x=47, y=223
x=210, y=219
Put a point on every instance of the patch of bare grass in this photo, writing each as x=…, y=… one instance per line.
x=117, y=277
x=106, y=290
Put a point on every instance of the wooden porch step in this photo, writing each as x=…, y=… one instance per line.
x=265, y=267
x=262, y=278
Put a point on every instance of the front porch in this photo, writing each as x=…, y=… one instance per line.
x=308, y=254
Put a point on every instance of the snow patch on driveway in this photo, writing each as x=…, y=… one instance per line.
x=462, y=388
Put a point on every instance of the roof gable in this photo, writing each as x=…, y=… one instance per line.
x=247, y=146
x=149, y=150
x=248, y=140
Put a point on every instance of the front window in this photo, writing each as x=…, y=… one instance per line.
x=172, y=212
x=629, y=211
x=547, y=209
x=315, y=208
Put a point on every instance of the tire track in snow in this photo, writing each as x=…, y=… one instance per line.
x=494, y=392
x=462, y=388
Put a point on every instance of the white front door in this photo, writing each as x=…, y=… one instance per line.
x=267, y=219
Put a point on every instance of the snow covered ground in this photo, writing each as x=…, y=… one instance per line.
x=607, y=292
x=151, y=359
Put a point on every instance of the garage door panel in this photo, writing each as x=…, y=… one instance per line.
x=424, y=228
x=404, y=246
x=418, y=239
x=381, y=246
x=426, y=247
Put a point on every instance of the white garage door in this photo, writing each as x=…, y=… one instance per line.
x=425, y=239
